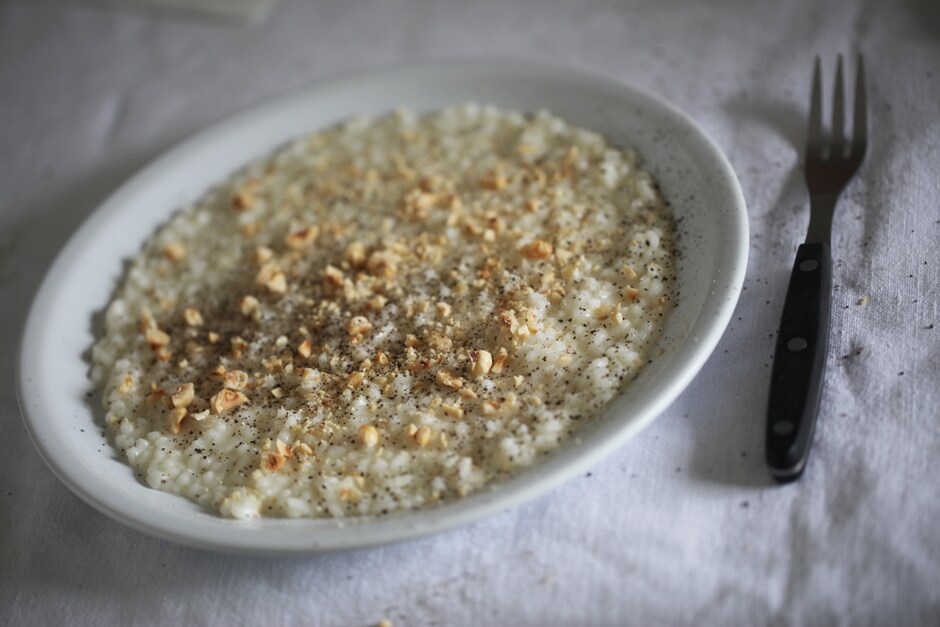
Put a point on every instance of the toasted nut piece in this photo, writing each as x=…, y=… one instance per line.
x=272, y=277
x=282, y=448
x=238, y=345
x=383, y=263
x=249, y=306
x=277, y=393
x=356, y=254
x=305, y=349
x=175, y=251
x=447, y=378
x=509, y=321
x=200, y=415
x=482, y=362
x=369, y=435
x=518, y=380
x=302, y=448
x=490, y=407
x=163, y=354
x=467, y=393
x=631, y=293
x=495, y=180
x=412, y=341
x=376, y=303
x=412, y=429
x=381, y=358
x=440, y=343
x=192, y=317
x=354, y=380
x=213, y=337
x=333, y=276
x=452, y=410
x=565, y=360
x=272, y=462
x=235, y=379
x=184, y=395
x=629, y=272
x=501, y=356
x=227, y=399
x=303, y=237
x=156, y=338
x=175, y=418
x=539, y=249
x=126, y=384
x=443, y=309
x=358, y=325
x=263, y=254
x=422, y=436
x=532, y=205
x=242, y=200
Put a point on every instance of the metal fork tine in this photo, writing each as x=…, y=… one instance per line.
x=814, y=135
x=860, y=122
x=838, y=114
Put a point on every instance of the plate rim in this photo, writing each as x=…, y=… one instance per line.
x=525, y=485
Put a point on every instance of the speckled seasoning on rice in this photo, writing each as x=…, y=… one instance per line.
x=387, y=314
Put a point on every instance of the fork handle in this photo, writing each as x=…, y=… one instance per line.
x=799, y=360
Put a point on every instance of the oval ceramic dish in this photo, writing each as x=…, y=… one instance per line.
x=66, y=427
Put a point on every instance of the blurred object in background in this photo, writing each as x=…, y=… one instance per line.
x=241, y=10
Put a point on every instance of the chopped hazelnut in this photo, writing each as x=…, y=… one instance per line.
x=354, y=380
x=383, y=263
x=452, y=410
x=333, y=276
x=200, y=415
x=305, y=349
x=272, y=462
x=631, y=293
x=282, y=448
x=358, y=325
x=175, y=418
x=235, y=379
x=156, y=338
x=501, y=356
x=447, y=378
x=263, y=254
x=272, y=277
x=184, y=395
x=227, y=399
x=440, y=343
x=249, y=306
x=175, y=251
x=356, y=254
x=302, y=237
x=192, y=317
x=489, y=407
x=539, y=249
x=422, y=436
x=482, y=362
x=369, y=435
x=443, y=310
x=376, y=303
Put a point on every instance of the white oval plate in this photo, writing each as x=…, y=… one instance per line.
x=694, y=176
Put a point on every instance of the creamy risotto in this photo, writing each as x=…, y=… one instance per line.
x=387, y=314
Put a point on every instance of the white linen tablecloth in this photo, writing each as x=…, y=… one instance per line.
x=680, y=526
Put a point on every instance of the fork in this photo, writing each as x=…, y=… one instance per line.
x=800, y=355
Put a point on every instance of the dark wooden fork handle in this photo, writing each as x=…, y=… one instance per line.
x=797, y=377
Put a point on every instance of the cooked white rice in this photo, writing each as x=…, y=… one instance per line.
x=387, y=314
